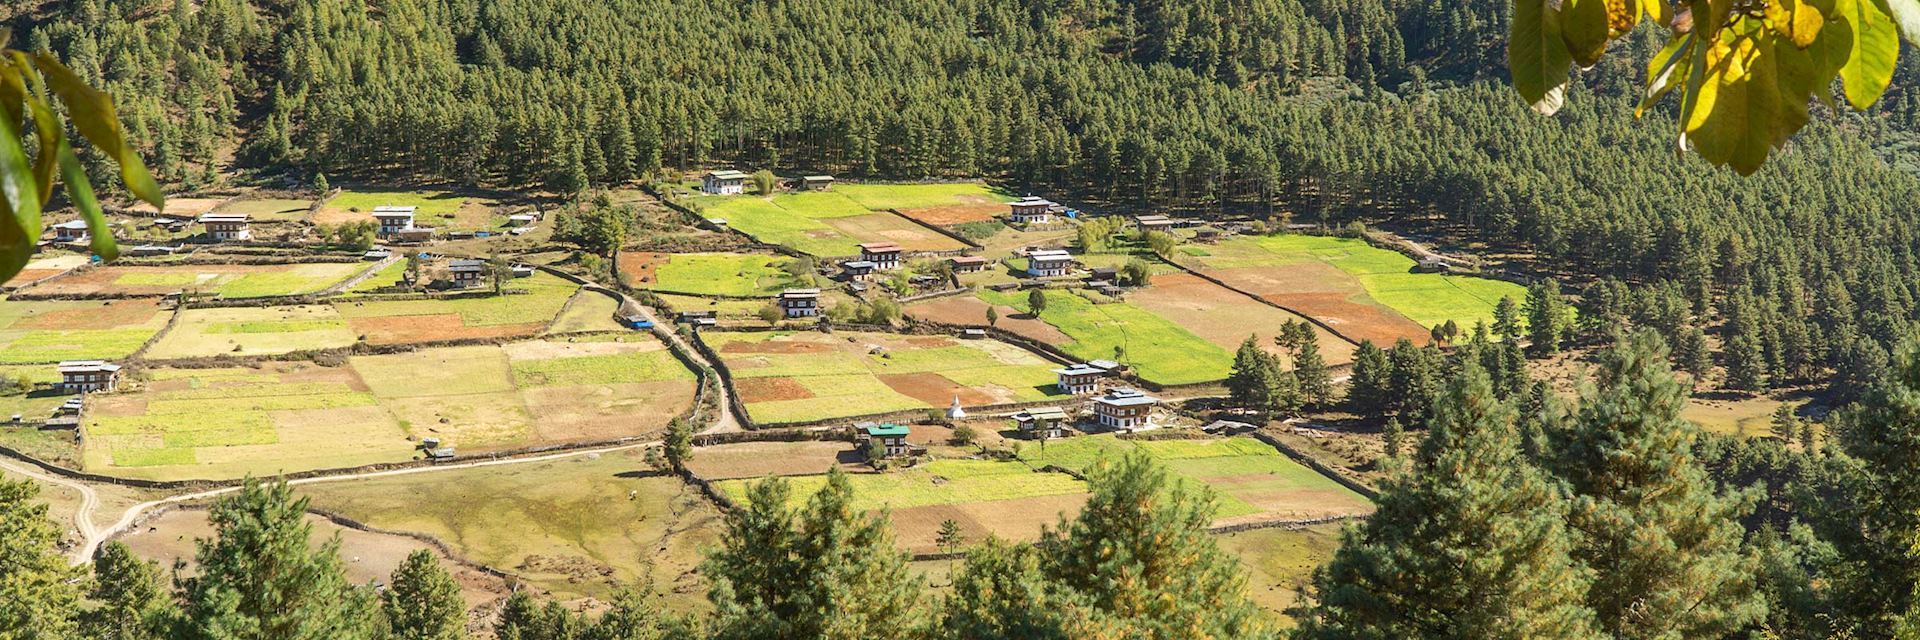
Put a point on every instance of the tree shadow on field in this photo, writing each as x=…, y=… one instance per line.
x=639, y=474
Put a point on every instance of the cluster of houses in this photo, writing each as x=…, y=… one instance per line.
x=728, y=182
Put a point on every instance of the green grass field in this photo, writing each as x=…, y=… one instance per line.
x=291, y=280
x=934, y=483
x=269, y=209
x=919, y=196
x=725, y=309
x=557, y=524
x=52, y=331
x=253, y=331
x=1426, y=298
x=726, y=274
x=590, y=311
x=788, y=377
x=1248, y=476
x=768, y=222
x=1156, y=348
x=547, y=294
x=387, y=276
x=429, y=203
x=1280, y=563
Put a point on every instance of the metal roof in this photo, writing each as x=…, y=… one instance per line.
x=1050, y=255
x=1079, y=370
x=87, y=366
x=888, y=429
x=1126, y=398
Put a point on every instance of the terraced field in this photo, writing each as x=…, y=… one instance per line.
x=834, y=223
x=1363, y=291
x=295, y=416
x=787, y=377
x=1157, y=348
x=1252, y=480
x=383, y=322
x=51, y=331
x=225, y=281
x=710, y=274
x=253, y=331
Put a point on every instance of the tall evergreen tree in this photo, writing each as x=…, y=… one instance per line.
x=259, y=579
x=1139, y=552
x=826, y=572
x=1546, y=313
x=1665, y=547
x=133, y=605
x=1370, y=385
x=423, y=602
x=1469, y=542
x=1002, y=593
x=38, y=593
x=1875, y=527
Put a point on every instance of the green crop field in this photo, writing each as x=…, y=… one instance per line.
x=296, y=416
x=1248, y=477
x=1385, y=277
x=407, y=321
x=725, y=309
x=786, y=377
x=388, y=276
x=834, y=223
x=429, y=203
x=253, y=331
x=768, y=222
x=590, y=311
x=727, y=274
x=269, y=209
x=52, y=331
x=935, y=483
x=558, y=524
x=919, y=196
x=1155, y=347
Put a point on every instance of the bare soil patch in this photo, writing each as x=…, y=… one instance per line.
x=591, y=413
x=182, y=207
x=931, y=342
x=753, y=390
x=431, y=328
x=760, y=459
x=639, y=266
x=935, y=389
x=1328, y=294
x=773, y=346
x=113, y=313
x=1225, y=317
x=955, y=214
x=1017, y=520
x=30, y=275
x=971, y=311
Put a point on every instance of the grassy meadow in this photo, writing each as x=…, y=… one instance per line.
x=51, y=331
x=253, y=331
x=1155, y=347
x=1250, y=479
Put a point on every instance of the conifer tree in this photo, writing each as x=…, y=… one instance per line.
x=1248, y=384
x=38, y=596
x=1309, y=367
x=1001, y=593
x=132, y=603
x=1139, y=552
x=826, y=571
x=1469, y=541
x=1506, y=319
x=1546, y=316
x=1875, y=528
x=1368, y=389
x=1413, y=382
x=260, y=580
x=1665, y=548
x=423, y=602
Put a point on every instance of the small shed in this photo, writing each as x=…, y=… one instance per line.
x=440, y=454
x=967, y=264
x=71, y=231
x=634, y=321
x=816, y=183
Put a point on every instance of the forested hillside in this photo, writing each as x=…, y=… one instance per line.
x=1333, y=110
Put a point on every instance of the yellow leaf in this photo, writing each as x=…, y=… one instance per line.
x=1741, y=112
x=1667, y=69
x=1623, y=16
x=1875, y=50
x=1797, y=20
x=1585, y=24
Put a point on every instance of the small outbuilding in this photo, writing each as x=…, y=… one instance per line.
x=967, y=264
x=1041, y=423
x=857, y=269
x=816, y=183
x=71, y=231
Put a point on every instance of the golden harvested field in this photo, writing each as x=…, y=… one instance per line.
x=253, y=331
x=226, y=281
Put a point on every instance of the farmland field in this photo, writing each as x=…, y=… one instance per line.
x=253, y=331
x=1252, y=480
x=786, y=377
x=880, y=197
x=1224, y=317
x=573, y=525
x=269, y=209
x=387, y=276
x=725, y=274
x=46, y=266
x=226, y=281
x=1280, y=562
x=296, y=416
x=1365, y=292
x=51, y=331
x=984, y=496
x=724, y=309
x=355, y=205
x=484, y=316
x=820, y=224
x=1157, y=348
x=590, y=311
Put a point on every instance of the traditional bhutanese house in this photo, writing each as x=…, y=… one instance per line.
x=393, y=219
x=1123, y=408
x=1154, y=223
x=884, y=255
x=967, y=264
x=892, y=437
x=1031, y=210
x=467, y=274
x=857, y=269
x=816, y=183
x=1048, y=262
x=71, y=231
x=83, y=376
x=800, y=303
x=1079, y=379
x=1041, y=423
x=724, y=183
x=227, y=226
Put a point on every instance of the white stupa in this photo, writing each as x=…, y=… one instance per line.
x=955, y=412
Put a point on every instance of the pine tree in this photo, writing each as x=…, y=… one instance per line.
x=1316, y=384
x=38, y=596
x=423, y=602
x=826, y=572
x=1139, y=552
x=1469, y=542
x=1546, y=316
x=1248, y=382
x=1414, y=381
x=678, y=445
x=1001, y=592
x=133, y=604
x=1665, y=548
x=1876, y=526
x=632, y=617
x=260, y=580
x=1506, y=319
x=1368, y=389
